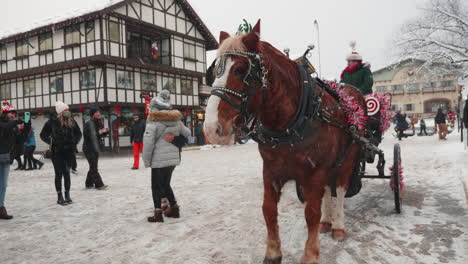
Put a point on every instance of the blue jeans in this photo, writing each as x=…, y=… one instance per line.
x=4, y=171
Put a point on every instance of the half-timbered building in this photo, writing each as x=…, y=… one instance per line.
x=111, y=57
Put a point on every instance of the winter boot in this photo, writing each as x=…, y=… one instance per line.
x=60, y=199
x=164, y=204
x=157, y=218
x=40, y=164
x=172, y=212
x=4, y=215
x=68, y=200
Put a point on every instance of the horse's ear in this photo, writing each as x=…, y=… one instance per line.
x=223, y=36
x=251, y=40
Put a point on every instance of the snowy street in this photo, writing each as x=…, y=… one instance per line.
x=220, y=193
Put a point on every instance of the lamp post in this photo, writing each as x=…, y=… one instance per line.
x=319, y=49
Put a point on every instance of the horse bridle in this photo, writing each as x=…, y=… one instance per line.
x=256, y=72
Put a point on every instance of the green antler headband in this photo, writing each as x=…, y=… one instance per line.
x=246, y=27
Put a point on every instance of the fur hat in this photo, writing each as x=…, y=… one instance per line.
x=162, y=102
x=7, y=108
x=60, y=107
x=354, y=56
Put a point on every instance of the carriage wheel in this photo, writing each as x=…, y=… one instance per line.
x=300, y=192
x=396, y=177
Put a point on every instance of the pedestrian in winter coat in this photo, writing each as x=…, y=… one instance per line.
x=94, y=133
x=136, y=139
x=160, y=155
x=441, y=124
x=422, y=127
x=199, y=134
x=465, y=114
x=29, y=147
x=62, y=134
x=8, y=123
x=356, y=73
x=18, y=150
x=401, y=125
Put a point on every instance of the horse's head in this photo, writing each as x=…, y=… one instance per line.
x=239, y=77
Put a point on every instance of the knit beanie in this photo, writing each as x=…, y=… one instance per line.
x=92, y=111
x=162, y=102
x=60, y=107
x=354, y=56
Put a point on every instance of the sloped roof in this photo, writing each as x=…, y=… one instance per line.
x=100, y=7
x=387, y=73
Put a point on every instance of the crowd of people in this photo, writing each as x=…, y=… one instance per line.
x=160, y=139
x=442, y=122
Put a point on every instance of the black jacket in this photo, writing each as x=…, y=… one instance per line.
x=92, y=140
x=137, y=132
x=440, y=118
x=465, y=114
x=61, y=138
x=7, y=134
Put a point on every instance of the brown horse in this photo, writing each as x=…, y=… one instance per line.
x=253, y=79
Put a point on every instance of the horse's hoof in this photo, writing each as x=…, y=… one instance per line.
x=276, y=260
x=338, y=234
x=325, y=227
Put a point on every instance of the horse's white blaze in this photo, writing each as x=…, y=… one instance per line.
x=211, y=116
x=338, y=214
x=327, y=206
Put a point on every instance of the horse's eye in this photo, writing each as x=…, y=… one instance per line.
x=240, y=71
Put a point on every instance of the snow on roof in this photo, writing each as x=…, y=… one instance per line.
x=96, y=6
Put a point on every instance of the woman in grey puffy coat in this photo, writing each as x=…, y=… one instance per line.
x=160, y=155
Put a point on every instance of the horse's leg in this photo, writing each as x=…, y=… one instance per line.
x=327, y=210
x=270, y=213
x=314, y=194
x=338, y=232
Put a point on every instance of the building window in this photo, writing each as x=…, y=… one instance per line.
x=3, y=52
x=409, y=107
x=446, y=84
x=169, y=83
x=381, y=89
x=72, y=35
x=413, y=86
x=189, y=51
x=88, y=79
x=56, y=84
x=431, y=106
x=147, y=49
x=186, y=87
x=45, y=42
x=114, y=31
x=148, y=82
x=125, y=79
x=397, y=87
x=29, y=88
x=89, y=27
x=22, y=48
x=394, y=107
x=5, y=91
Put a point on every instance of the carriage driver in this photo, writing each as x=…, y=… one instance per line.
x=357, y=74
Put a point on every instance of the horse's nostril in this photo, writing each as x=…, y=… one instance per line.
x=219, y=130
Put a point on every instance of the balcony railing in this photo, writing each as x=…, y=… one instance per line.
x=439, y=89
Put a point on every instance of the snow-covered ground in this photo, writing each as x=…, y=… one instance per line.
x=220, y=194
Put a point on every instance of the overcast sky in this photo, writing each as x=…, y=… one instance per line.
x=372, y=23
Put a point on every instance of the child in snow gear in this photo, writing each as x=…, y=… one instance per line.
x=160, y=155
x=356, y=73
x=62, y=133
x=136, y=139
x=94, y=133
x=8, y=123
x=29, y=146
